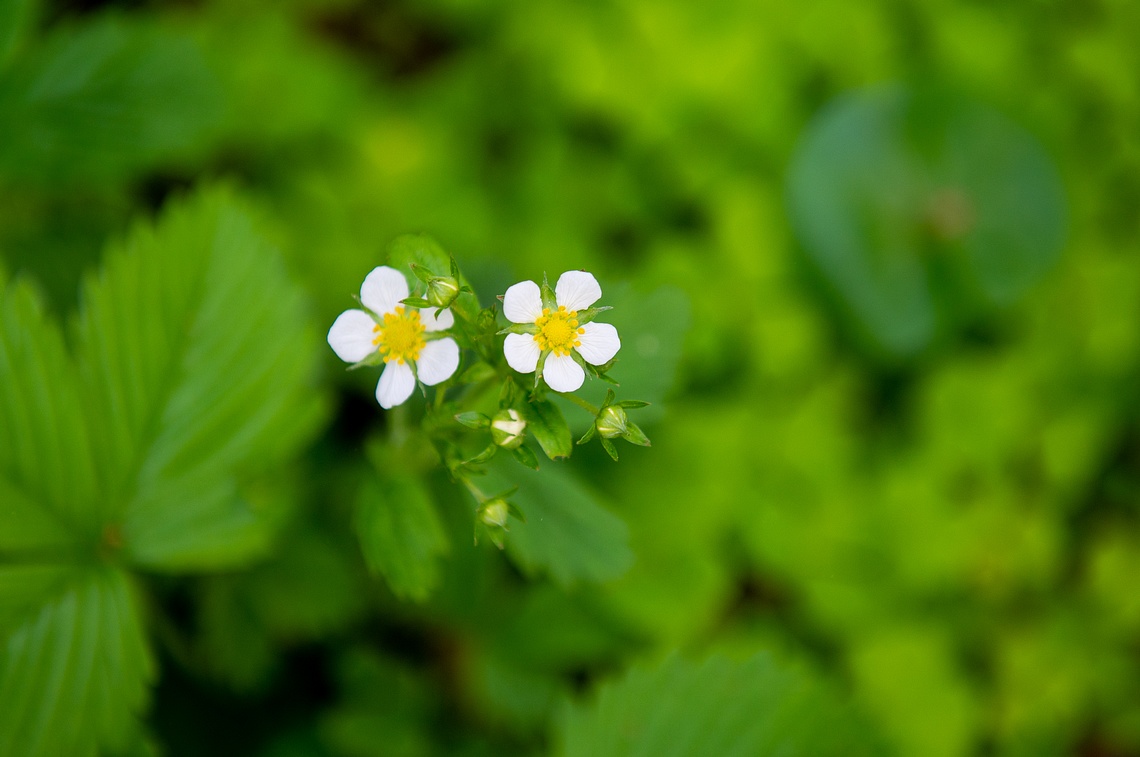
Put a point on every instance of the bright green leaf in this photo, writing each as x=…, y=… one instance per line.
x=47, y=481
x=719, y=707
x=73, y=674
x=401, y=534
x=195, y=357
x=103, y=101
x=548, y=425
x=568, y=534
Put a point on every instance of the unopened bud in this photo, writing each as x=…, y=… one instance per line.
x=508, y=429
x=494, y=513
x=611, y=422
x=442, y=291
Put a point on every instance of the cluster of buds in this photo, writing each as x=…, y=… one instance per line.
x=422, y=331
x=612, y=422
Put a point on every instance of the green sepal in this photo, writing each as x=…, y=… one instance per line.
x=515, y=512
x=610, y=448
x=482, y=457
x=634, y=435
x=632, y=404
x=589, y=314
x=518, y=328
x=526, y=457
x=422, y=273
x=416, y=302
x=473, y=420
x=610, y=397
x=455, y=272
x=540, y=366
x=588, y=435
x=548, y=298
x=373, y=359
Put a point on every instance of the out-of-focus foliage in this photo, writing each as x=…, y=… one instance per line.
x=893, y=359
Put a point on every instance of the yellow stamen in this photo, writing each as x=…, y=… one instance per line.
x=400, y=337
x=558, y=331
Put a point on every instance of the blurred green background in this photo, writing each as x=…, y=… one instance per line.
x=875, y=263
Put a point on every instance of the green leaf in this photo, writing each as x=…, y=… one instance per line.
x=75, y=672
x=47, y=480
x=568, y=533
x=16, y=16
x=546, y=422
x=945, y=207
x=103, y=101
x=196, y=360
x=401, y=534
x=757, y=708
x=427, y=254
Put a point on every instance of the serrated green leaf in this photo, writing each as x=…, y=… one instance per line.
x=548, y=425
x=400, y=534
x=47, y=480
x=102, y=101
x=719, y=707
x=75, y=672
x=195, y=356
x=568, y=534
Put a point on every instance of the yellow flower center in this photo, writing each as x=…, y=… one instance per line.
x=400, y=337
x=558, y=330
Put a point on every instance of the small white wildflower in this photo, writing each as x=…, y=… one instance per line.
x=557, y=331
x=397, y=333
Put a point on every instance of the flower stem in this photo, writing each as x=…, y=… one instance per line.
x=580, y=402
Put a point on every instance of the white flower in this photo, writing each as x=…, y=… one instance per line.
x=556, y=333
x=397, y=333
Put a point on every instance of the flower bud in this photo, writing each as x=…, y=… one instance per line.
x=508, y=429
x=442, y=291
x=611, y=422
x=494, y=513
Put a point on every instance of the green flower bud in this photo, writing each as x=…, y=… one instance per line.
x=494, y=513
x=442, y=291
x=612, y=422
x=508, y=429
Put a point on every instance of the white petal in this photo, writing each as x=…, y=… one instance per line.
x=522, y=352
x=445, y=321
x=437, y=361
x=562, y=374
x=523, y=302
x=351, y=336
x=577, y=290
x=396, y=384
x=599, y=344
x=383, y=289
